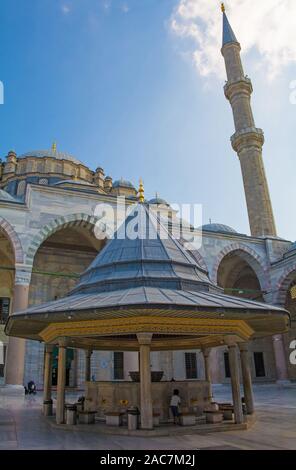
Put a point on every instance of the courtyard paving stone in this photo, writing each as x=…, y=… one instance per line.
x=23, y=427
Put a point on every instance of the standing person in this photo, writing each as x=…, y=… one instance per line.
x=174, y=405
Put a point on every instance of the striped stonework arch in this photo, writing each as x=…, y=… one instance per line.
x=283, y=284
x=258, y=264
x=73, y=220
x=11, y=234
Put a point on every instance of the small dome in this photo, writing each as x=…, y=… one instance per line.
x=51, y=154
x=4, y=196
x=123, y=184
x=158, y=201
x=218, y=228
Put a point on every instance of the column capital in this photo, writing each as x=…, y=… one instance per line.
x=144, y=338
x=230, y=341
x=23, y=274
x=63, y=342
x=276, y=338
x=206, y=351
x=49, y=348
x=243, y=347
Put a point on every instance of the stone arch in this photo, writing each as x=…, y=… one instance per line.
x=13, y=237
x=72, y=220
x=257, y=263
x=283, y=284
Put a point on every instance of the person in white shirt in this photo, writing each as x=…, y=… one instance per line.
x=174, y=405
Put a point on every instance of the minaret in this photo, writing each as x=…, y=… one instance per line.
x=247, y=140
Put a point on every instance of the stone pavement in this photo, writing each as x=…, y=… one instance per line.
x=23, y=427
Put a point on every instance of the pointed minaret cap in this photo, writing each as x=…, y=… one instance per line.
x=228, y=34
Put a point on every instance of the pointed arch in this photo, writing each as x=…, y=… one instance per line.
x=283, y=284
x=257, y=263
x=72, y=220
x=13, y=237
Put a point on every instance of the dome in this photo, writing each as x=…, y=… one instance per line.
x=123, y=184
x=4, y=196
x=218, y=228
x=159, y=201
x=50, y=154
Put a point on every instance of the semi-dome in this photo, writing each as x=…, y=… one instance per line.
x=50, y=154
x=218, y=228
x=123, y=184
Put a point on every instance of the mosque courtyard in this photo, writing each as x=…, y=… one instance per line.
x=23, y=427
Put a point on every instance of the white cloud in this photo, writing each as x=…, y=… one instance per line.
x=106, y=5
x=266, y=25
x=66, y=9
x=125, y=8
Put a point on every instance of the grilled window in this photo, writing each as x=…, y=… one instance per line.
x=259, y=364
x=226, y=365
x=118, y=366
x=4, y=309
x=191, y=365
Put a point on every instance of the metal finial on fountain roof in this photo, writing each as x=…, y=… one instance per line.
x=141, y=196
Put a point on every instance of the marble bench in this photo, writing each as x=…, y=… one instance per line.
x=86, y=417
x=227, y=409
x=114, y=418
x=214, y=417
x=187, y=419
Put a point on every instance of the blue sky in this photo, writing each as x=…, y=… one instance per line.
x=113, y=84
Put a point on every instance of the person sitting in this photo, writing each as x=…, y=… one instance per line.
x=32, y=387
x=174, y=405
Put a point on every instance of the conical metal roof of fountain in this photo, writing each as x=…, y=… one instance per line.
x=143, y=253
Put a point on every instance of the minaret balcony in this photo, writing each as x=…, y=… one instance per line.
x=238, y=86
x=250, y=136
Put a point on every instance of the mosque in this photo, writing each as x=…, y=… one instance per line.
x=47, y=240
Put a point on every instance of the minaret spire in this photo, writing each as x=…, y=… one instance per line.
x=248, y=140
x=228, y=34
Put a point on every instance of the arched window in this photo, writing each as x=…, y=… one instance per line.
x=43, y=181
x=21, y=188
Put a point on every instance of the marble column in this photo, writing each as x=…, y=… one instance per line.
x=144, y=340
x=235, y=383
x=16, y=351
x=47, y=400
x=247, y=378
x=206, y=354
x=280, y=359
x=60, y=407
x=88, y=354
